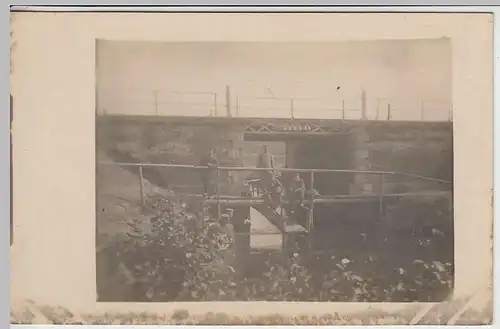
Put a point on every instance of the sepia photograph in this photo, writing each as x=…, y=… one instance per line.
x=258, y=168
x=274, y=171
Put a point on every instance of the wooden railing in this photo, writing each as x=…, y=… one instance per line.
x=311, y=173
x=293, y=170
x=311, y=195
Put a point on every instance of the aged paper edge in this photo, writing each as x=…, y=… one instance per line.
x=418, y=313
x=459, y=311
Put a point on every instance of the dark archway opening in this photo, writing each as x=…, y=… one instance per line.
x=323, y=152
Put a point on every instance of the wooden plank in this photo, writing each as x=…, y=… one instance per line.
x=310, y=213
x=387, y=195
x=235, y=203
x=329, y=199
x=295, y=228
x=283, y=223
x=296, y=170
x=311, y=202
x=141, y=178
x=260, y=224
x=275, y=219
x=218, y=195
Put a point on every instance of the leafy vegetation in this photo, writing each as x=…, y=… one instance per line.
x=188, y=256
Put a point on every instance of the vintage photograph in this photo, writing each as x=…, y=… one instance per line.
x=274, y=171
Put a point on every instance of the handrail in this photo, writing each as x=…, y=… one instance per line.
x=311, y=198
x=224, y=168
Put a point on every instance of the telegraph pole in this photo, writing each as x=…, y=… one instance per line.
x=228, y=101
x=363, y=104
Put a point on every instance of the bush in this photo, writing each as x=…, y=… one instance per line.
x=189, y=257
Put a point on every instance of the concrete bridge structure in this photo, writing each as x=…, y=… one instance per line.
x=304, y=143
x=334, y=157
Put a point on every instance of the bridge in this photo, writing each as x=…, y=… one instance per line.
x=319, y=149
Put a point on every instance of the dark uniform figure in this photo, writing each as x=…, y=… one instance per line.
x=231, y=155
x=266, y=160
x=297, y=192
x=276, y=193
x=207, y=174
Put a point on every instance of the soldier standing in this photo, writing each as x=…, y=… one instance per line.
x=266, y=160
x=231, y=154
x=297, y=191
x=207, y=174
x=275, y=194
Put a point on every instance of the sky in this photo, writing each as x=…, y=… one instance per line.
x=191, y=78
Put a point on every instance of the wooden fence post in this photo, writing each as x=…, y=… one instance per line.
x=363, y=105
x=237, y=106
x=218, y=194
x=292, y=110
x=141, y=177
x=214, y=113
x=228, y=102
x=343, y=109
x=155, y=94
x=381, y=195
x=310, y=224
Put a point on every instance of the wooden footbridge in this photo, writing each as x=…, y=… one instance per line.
x=301, y=223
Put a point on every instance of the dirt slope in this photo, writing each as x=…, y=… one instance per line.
x=119, y=201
